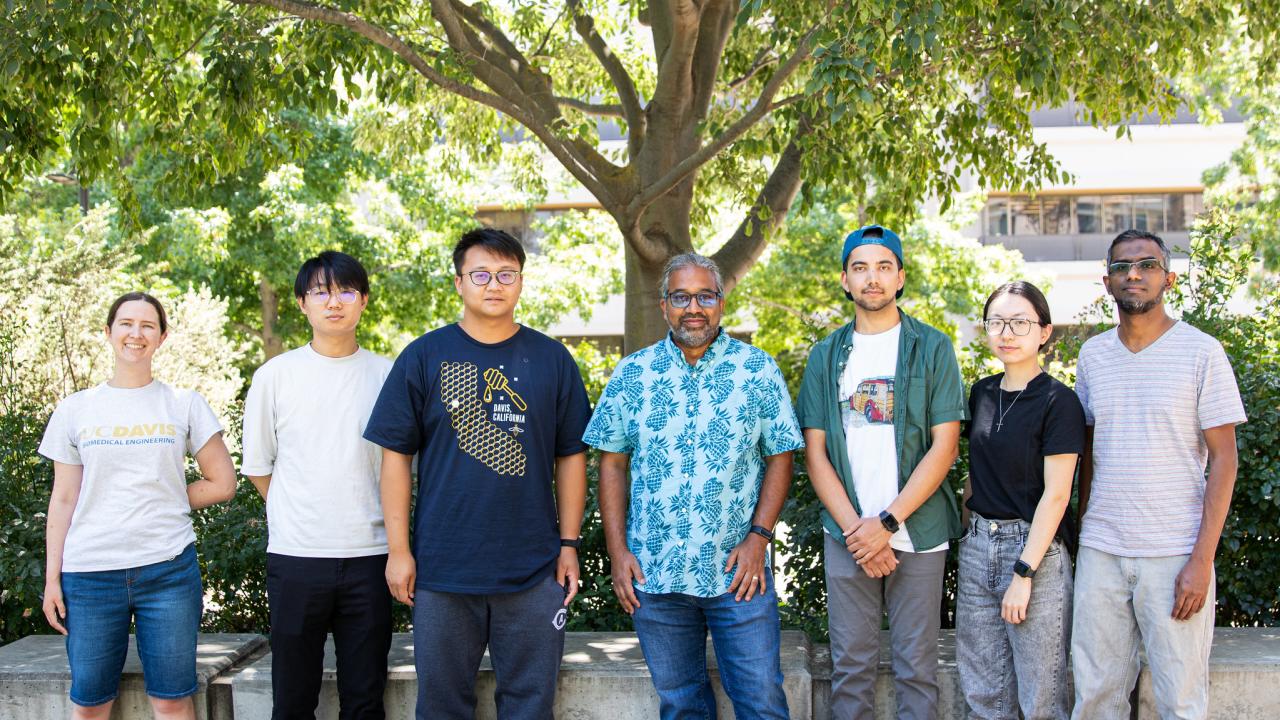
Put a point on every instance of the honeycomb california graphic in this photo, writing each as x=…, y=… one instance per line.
x=477, y=436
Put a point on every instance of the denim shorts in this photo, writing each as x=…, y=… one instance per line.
x=163, y=599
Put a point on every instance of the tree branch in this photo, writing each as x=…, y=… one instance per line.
x=591, y=108
x=763, y=60
x=763, y=106
x=572, y=161
x=770, y=210
x=629, y=99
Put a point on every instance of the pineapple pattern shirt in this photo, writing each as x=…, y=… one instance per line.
x=697, y=437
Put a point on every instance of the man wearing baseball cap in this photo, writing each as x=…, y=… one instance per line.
x=881, y=405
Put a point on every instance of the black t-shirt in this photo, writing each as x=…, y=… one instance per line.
x=1006, y=468
x=488, y=422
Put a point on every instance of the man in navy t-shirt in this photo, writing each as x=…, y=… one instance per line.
x=495, y=411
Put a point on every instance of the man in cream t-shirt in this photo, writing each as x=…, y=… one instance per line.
x=304, y=450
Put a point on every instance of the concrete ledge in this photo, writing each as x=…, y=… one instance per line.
x=1244, y=676
x=35, y=679
x=602, y=675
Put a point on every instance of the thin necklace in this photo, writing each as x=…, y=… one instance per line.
x=1000, y=400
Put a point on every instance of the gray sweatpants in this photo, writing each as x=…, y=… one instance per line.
x=855, y=604
x=525, y=634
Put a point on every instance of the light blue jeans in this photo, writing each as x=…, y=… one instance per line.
x=1121, y=602
x=1005, y=668
x=672, y=628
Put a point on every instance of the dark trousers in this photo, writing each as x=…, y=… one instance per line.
x=524, y=632
x=311, y=597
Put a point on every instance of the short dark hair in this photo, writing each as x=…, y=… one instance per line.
x=1132, y=234
x=496, y=241
x=130, y=297
x=1023, y=289
x=331, y=269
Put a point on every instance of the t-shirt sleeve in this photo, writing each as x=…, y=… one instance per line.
x=259, y=441
x=202, y=423
x=1219, y=401
x=573, y=410
x=607, y=429
x=1063, y=424
x=946, y=389
x=1082, y=387
x=779, y=431
x=60, y=443
x=809, y=410
x=966, y=428
x=396, y=420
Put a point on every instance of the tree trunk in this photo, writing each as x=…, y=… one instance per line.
x=272, y=344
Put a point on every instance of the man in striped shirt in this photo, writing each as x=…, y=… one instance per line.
x=1161, y=402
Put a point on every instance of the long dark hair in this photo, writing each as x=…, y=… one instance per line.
x=130, y=297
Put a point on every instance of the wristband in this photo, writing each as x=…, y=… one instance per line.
x=575, y=543
x=757, y=529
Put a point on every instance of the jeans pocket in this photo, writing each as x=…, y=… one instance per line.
x=1055, y=548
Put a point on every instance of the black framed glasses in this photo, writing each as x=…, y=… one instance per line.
x=1121, y=268
x=1017, y=326
x=321, y=295
x=484, y=277
x=707, y=299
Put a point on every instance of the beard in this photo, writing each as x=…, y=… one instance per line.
x=873, y=306
x=1133, y=306
x=689, y=338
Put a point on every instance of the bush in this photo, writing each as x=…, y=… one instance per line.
x=25, y=483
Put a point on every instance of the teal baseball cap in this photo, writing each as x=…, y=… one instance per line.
x=864, y=236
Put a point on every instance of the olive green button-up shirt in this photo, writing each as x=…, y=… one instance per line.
x=927, y=392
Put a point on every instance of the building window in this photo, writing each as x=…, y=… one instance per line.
x=1061, y=214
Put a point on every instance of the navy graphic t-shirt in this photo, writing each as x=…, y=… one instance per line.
x=488, y=422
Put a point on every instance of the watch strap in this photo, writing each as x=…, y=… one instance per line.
x=1021, y=569
x=575, y=543
x=889, y=522
x=762, y=532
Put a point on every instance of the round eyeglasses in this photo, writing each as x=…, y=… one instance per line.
x=484, y=277
x=321, y=295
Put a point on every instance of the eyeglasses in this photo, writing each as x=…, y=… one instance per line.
x=483, y=277
x=1018, y=326
x=321, y=295
x=682, y=299
x=1148, y=265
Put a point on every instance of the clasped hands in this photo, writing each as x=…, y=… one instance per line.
x=868, y=541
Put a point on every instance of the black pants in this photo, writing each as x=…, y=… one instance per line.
x=311, y=597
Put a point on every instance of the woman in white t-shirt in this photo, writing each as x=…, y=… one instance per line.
x=120, y=544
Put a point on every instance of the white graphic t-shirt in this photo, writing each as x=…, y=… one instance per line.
x=132, y=442
x=866, y=392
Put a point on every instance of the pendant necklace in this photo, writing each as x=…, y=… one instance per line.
x=1000, y=399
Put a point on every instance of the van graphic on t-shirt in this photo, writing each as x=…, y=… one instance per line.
x=872, y=402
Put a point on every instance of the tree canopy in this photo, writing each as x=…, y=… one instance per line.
x=716, y=103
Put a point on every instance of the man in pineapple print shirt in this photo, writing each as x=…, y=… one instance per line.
x=705, y=423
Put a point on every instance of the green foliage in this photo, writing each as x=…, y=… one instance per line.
x=1247, y=567
x=25, y=482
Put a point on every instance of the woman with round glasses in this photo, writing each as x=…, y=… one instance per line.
x=1013, y=604
x=120, y=544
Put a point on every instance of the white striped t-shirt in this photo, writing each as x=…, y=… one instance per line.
x=1149, y=410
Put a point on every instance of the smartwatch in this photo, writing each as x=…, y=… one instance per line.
x=575, y=543
x=761, y=532
x=1021, y=569
x=889, y=522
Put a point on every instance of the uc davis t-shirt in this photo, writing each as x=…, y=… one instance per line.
x=488, y=422
x=133, y=508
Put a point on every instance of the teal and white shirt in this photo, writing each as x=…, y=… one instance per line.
x=697, y=437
